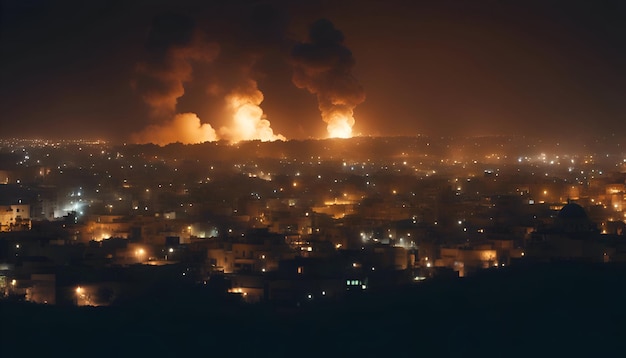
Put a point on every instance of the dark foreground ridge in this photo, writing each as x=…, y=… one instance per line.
x=564, y=309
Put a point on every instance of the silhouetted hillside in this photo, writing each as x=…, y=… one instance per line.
x=540, y=310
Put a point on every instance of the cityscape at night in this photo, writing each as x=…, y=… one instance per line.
x=312, y=178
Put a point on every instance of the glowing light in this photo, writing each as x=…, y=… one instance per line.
x=140, y=253
x=238, y=290
x=339, y=125
x=248, y=119
x=186, y=128
x=323, y=67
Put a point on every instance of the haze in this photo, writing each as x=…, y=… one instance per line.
x=81, y=69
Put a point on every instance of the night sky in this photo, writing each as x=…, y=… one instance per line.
x=103, y=69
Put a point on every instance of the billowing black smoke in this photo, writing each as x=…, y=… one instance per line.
x=226, y=53
x=173, y=43
x=323, y=66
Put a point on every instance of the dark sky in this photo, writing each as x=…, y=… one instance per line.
x=434, y=67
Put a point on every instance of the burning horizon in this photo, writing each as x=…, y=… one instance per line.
x=185, y=128
x=323, y=66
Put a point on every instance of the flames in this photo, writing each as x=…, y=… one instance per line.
x=341, y=129
x=322, y=65
x=339, y=125
x=248, y=121
x=185, y=128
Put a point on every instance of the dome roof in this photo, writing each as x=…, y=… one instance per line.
x=572, y=211
x=573, y=219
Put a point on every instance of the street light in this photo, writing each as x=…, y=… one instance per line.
x=140, y=253
x=82, y=297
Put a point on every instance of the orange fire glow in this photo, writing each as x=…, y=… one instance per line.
x=339, y=125
x=249, y=122
x=185, y=128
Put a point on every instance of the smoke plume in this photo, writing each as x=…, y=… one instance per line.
x=161, y=84
x=185, y=128
x=323, y=66
x=173, y=44
x=248, y=120
x=176, y=46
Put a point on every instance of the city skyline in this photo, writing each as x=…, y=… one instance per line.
x=406, y=243
x=545, y=69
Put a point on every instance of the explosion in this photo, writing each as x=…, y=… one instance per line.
x=248, y=118
x=185, y=128
x=339, y=125
x=175, y=46
x=323, y=66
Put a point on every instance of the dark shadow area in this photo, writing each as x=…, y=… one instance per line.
x=564, y=309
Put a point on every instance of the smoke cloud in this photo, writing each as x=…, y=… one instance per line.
x=248, y=120
x=323, y=66
x=161, y=84
x=175, y=46
x=185, y=128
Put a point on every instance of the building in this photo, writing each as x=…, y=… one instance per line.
x=15, y=217
x=572, y=236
